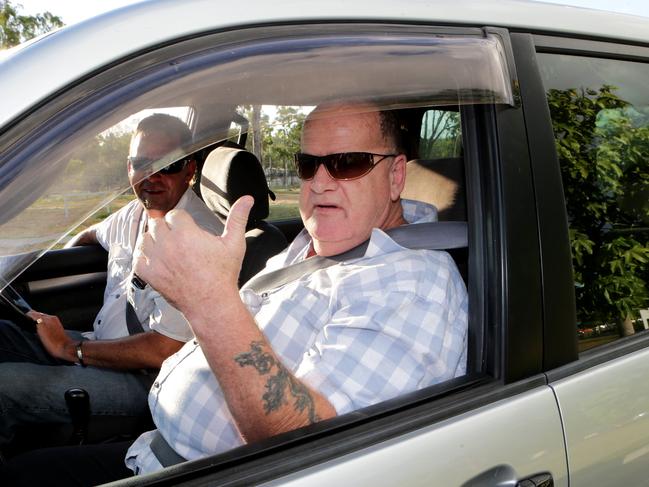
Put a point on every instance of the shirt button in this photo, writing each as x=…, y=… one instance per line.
x=195, y=341
x=156, y=384
x=117, y=296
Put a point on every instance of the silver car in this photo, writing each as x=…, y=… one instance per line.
x=528, y=121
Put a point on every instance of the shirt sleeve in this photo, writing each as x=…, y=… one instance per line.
x=116, y=227
x=378, y=345
x=168, y=321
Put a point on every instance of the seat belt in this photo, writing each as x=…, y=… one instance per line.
x=415, y=236
x=166, y=455
x=133, y=323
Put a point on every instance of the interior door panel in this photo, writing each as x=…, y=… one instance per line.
x=68, y=283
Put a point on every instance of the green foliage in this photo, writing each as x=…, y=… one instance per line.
x=16, y=28
x=281, y=139
x=440, y=135
x=603, y=147
x=99, y=166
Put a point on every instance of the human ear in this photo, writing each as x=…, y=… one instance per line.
x=397, y=176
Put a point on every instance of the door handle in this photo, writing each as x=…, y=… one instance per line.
x=538, y=480
x=505, y=476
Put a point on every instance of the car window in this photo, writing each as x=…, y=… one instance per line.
x=273, y=136
x=436, y=173
x=263, y=109
x=600, y=116
x=441, y=134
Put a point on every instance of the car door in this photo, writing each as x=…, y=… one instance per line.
x=603, y=396
x=501, y=421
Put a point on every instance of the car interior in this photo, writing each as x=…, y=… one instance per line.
x=70, y=282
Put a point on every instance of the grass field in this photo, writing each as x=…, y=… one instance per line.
x=51, y=216
x=286, y=204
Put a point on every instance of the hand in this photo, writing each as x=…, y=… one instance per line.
x=190, y=267
x=53, y=336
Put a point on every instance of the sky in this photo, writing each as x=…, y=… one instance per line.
x=73, y=11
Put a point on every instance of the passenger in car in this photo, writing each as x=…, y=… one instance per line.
x=135, y=330
x=325, y=343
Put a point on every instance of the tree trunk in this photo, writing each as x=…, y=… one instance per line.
x=256, y=132
x=627, y=327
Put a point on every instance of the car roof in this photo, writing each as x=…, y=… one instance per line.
x=31, y=73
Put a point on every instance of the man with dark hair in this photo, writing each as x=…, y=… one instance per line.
x=135, y=330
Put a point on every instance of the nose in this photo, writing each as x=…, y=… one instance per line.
x=153, y=177
x=322, y=181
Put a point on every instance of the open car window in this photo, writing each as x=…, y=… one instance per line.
x=220, y=79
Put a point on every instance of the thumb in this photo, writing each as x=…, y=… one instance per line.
x=235, y=225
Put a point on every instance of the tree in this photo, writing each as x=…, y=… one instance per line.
x=603, y=147
x=440, y=134
x=16, y=28
x=282, y=140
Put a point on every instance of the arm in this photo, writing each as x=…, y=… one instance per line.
x=263, y=396
x=142, y=351
x=85, y=237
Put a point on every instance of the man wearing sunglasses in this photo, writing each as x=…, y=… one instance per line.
x=135, y=330
x=322, y=343
x=337, y=339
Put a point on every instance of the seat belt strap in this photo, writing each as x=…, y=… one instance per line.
x=133, y=323
x=166, y=455
x=416, y=236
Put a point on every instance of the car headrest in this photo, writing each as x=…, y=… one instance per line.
x=230, y=173
x=439, y=182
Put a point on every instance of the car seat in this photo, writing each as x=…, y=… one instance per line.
x=441, y=182
x=229, y=173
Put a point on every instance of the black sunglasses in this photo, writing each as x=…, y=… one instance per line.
x=343, y=166
x=139, y=163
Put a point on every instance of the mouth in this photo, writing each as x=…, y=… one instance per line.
x=152, y=191
x=325, y=208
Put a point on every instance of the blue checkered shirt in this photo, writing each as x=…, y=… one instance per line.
x=360, y=332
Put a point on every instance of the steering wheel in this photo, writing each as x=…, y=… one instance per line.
x=16, y=303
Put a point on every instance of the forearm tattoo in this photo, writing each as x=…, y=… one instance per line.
x=279, y=385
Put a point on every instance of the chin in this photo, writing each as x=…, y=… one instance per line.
x=326, y=232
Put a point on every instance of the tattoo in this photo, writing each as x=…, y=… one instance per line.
x=278, y=384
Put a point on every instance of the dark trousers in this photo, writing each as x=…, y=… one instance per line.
x=69, y=466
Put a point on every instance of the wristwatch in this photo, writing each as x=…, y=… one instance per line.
x=80, y=354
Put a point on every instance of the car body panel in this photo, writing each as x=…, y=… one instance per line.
x=134, y=28
x=605, y=412
x=523, y=434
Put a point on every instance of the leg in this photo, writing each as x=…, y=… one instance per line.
x=17, y=345
x=31, y=393
x=68, y=466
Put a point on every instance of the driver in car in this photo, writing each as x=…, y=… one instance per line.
x=135, y=330
x=328, y=342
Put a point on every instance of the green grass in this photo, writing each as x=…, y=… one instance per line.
x=286, y=205
x=55, y=215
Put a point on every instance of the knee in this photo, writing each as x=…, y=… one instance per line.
x=24, y=386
